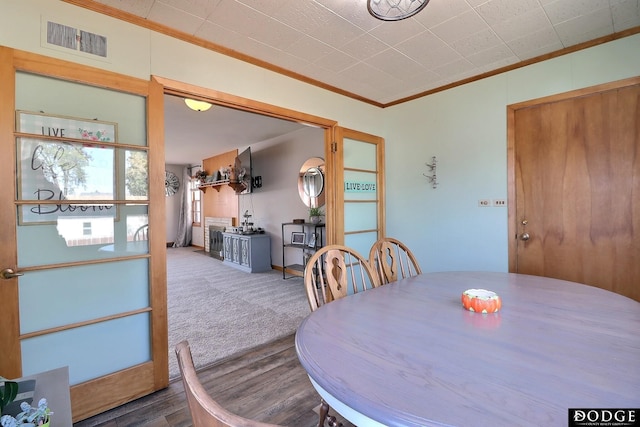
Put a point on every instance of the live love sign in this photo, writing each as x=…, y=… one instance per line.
x=359, y=187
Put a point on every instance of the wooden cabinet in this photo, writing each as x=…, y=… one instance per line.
x=299, y=243
x=247, y=252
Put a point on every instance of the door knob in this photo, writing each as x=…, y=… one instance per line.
x=8, y=273
x=525, y=236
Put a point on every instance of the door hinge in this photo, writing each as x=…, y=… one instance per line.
x=334, y=147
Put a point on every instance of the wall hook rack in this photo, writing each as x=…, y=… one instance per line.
x=432, y=176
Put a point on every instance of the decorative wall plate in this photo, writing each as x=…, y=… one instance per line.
x=171, y=183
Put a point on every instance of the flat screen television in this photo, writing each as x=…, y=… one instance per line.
x=244, y=164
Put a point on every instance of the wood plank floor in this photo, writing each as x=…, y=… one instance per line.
x=266, y=384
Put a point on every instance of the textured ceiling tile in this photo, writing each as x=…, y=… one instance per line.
x=220, y=35
x=364, y=46
x=626, y=14
x=275, y=33
x=353, y=11
x=526, y=24
x=175, y=18
x=428, y=50
x=199, y=8
x=336, y=61
x=368, y=74
x=477, y=42
x=139, y=8
x=496, y=11
x=236, y=16
x=393, y=33
x=459, y=27
x=439, y=11
x=535, y=43
x=305, y=16
x=337, y=33
x=570, y=34
x=496, y=54
x=268, y=7
x=309, y=48
x=585, y=27
x=451, y=69
x=396, y=64
x=563, y=10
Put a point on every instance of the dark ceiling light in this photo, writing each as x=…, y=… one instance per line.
x=395, y=10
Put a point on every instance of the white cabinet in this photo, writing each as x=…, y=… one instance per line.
x=247, y=252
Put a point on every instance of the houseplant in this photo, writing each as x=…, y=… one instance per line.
x=8, y=392
x=30, y=416
x=315, y=215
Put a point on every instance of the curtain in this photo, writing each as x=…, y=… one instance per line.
x=183, y=237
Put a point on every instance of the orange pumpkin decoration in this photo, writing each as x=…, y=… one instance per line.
x=481, y=301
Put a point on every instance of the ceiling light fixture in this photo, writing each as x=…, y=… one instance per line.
x=197, y=105
x=395, y=10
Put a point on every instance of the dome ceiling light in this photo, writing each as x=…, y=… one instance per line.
x=197, y=105
x=395, y=10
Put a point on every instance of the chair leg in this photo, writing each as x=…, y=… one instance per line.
x=324, y=411
x=325, y=417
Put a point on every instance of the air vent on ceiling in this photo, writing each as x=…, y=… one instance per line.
x=76, y=39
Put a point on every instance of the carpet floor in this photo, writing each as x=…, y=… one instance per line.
x=222, y=311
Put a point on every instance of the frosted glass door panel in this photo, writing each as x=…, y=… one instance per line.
x=361, y=204
x=83, y=238
x=92, y=291
x=37, y=93
x=360, y=216
x=359, y=155
x=90, y=351
x=361, y=242
x=360, y=185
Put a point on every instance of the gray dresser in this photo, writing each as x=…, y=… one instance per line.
x=247, y=252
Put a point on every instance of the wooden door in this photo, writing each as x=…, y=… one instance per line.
x=357, y=171
x=575, y=160
x=76, y=290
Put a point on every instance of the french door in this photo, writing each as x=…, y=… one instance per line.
x=82, y=168
x=358, y=173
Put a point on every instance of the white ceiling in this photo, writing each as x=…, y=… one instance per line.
x=191, y=136
x=337, y=44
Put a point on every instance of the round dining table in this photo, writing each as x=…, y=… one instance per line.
x=408, y=353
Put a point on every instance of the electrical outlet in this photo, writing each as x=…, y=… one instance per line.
x=499, y=202
x=484, y=203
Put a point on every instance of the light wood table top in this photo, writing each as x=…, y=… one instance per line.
x=409, y=354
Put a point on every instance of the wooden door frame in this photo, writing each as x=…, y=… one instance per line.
x=338, y=174
x=186, y=90
x=511, y=152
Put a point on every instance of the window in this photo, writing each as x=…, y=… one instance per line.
x=196, y=202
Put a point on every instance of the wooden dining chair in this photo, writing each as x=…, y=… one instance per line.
x=141, y=233
x=205, y=411
x=392, y=260
x=334, y=272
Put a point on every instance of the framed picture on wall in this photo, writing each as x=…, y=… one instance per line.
x=297, y=238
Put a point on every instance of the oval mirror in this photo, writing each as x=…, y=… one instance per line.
x=311, y=182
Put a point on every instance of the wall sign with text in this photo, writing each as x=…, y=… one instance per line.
x=359, y=187
x=59, y=167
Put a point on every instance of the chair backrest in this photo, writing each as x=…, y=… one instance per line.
x=206, y=412
x=141, y=233
x=392, y=260
x=335, y=271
